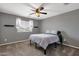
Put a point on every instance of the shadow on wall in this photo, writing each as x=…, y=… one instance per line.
x=70, y=40
x=66, y=37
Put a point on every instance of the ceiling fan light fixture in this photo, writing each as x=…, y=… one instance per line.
x=38, y=10
x=37, y=14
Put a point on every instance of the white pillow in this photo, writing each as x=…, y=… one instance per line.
x=51, y=32
x=47, y=31
x=54, y=32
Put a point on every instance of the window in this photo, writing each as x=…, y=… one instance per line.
x=24, y=26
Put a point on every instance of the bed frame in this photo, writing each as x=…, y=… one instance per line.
x=60, y=40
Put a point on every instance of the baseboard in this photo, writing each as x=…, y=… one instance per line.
x=71, y=46
x=12, y=42
x=26, y=40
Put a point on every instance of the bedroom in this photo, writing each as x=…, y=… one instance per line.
x=20, y=20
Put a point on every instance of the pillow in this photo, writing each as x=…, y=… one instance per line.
x=50, y=33
x=47, y=31
x=53, y=32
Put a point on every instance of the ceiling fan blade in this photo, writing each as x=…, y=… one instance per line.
x=32, y=13
x=31, y=6
x=41, y=8
x=33, y=10
x=43, y=13
x=42, y=5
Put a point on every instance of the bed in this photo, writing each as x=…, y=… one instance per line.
x=44, y=40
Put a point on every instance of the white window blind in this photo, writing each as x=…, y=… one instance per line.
x=24, y=26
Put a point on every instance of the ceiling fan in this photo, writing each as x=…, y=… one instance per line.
x=38, y=11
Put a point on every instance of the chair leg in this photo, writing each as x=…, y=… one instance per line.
x=61, y=44
x=55, y=45
x=35, y=45
x=45, y=52
x=30, y=42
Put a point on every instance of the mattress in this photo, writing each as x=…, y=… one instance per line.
x=44, y=39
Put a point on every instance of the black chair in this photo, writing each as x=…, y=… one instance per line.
x=60, y=37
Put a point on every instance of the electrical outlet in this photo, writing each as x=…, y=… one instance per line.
x=5, y=40
x=65, y=40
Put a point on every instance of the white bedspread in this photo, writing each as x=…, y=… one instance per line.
x=44, y=39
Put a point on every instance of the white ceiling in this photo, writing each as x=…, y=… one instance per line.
x=24, y=9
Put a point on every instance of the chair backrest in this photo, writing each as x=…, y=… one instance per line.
x=60, y=37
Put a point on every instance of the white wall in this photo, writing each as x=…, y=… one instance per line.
x=68, y=23
x=0, y=27
x=10, y=33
